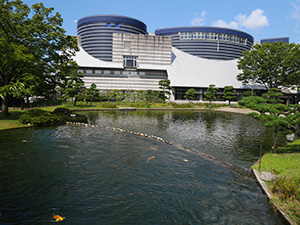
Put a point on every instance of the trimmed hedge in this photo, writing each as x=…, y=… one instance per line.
x=38, y=117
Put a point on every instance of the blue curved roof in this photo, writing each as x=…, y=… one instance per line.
x=172, y=30
x=112, y=18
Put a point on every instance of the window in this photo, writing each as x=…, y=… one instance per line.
x=212, y=36
x=198, y=35
x=224, y=37
x=243, y=41
x=130, y=61
x=108, y=24
x=234, y=38
x=185, y=35
x=117, y=25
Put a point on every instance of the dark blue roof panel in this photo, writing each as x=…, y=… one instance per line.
x=113, y=19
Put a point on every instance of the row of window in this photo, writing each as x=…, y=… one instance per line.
x=113, y=25
x=111, y=72
x=212, y=36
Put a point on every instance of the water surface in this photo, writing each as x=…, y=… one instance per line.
x=98, y=176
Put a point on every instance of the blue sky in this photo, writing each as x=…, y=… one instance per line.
x=260, y=18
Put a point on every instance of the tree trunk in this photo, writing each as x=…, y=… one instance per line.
x=4, y=106
x=275, y=139
x=75, y=101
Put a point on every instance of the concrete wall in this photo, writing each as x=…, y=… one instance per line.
x=148, y=49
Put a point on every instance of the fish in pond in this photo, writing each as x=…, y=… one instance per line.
x=151, y=157
x=58, y=218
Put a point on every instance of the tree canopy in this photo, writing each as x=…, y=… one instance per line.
x=211, y=94
x=165, y=85
x=190, y=94
x=272, y=65
x=274, y=114
x=33, y=47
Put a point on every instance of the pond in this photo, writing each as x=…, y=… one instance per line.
x=92, y=175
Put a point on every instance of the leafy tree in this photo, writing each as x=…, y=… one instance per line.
x=271, y=65
x=165, y=85
x=211, y=94
x=190, y=94
x=32, y=47
x=277, y=116
x=73, y=87
x=92, y=93
x=229, y=93
x=273, y=96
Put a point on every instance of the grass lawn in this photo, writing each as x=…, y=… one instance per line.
x=286, y=189
x=11, y=121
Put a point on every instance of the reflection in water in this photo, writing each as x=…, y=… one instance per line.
x=232, y=137
x=97, y=176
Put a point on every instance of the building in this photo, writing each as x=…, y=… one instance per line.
x=117, y=52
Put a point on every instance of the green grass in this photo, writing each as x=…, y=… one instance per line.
x=11, y=121
x=286, y=164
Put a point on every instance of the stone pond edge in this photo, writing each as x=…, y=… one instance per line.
x=268, y=193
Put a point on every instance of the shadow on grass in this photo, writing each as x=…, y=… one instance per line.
x=290, y=148
x=13, y=115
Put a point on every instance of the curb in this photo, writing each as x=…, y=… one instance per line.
x=267, y=191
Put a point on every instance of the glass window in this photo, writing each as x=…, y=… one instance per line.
x=224, y=37
x=212, y=36
x=108, y=24
x=199, y=35
x=129, y=61
x=243, y=40
x=185, y=35
x=234, y=38
x=117, y=25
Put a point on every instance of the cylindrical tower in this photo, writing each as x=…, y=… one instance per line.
x=209, y=42
x=96, y=33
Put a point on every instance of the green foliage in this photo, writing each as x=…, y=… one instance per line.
x=33, y=48
x=229, y=93
x=38, y=117
x=184, y=105
x=165, y=86
x=92, y=93
x=278, y=116
x=210, y=94
x=286, y=188
x=109, y=105
x=190, y=94
x=273, y=96
x=271, y=64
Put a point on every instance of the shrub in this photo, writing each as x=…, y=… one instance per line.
x=109, y=105
x=184, y=105
x=38, y=117
x=62, y=110
x=286, y=188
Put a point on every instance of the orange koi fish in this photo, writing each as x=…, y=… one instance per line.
x=151, y=157
x=58, y=218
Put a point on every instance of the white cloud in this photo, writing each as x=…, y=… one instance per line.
x=199, y=21
x=255, y=20
x=222, y=23
x=295, y=14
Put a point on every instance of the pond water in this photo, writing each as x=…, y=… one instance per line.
x=92, y=175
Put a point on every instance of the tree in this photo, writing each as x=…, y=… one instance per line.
x=211, y=94
x=32, y=46
x=92, y=93
x=277, y=116
x=165, y=85
x=190, y=94
x=229, y=93
x=271, y=65
x=73, y=86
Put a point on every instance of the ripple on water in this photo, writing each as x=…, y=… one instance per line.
x=94, y=175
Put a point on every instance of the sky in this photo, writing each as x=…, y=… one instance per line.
x=260, y=18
